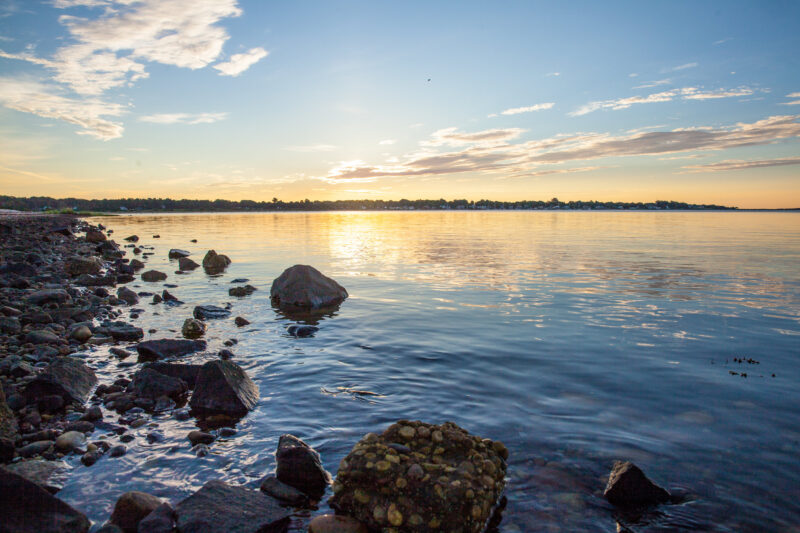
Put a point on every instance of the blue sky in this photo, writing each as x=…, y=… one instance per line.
x=692, y=101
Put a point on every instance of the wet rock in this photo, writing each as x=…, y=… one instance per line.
x=93, y=414
x=628, y=486
x=223, y=387
x=200, y=437
x=240, y=321
x=193, y=328
x=132, y=238
x=50, y=475
x=214, y=263
x=118, y=451
x=225, y=354
x=299, y=466
x=450, y=477
x=222, y=507
x=81, y=334
x=301, y=330
x=136, y=264
x=41, y=336
x=149, y=384
x=110, y=528
x=161, y=520
x=76, y=266
x=52, y=403
x=187, y=373
x=242, y=291
x=153, y=275
x=66, y=376
x=88, y=280
x=10, y=325
x=163, y=348
x=125, y=332
x=8, y=422
x=209, y=312
x=35, y=448
x=71, y=441
x=184, y=264
x=131, y=508
x=90, y=458
x=176, y=253
x=28, y=508
x=94, y=236
x=168, y=297
x=329, y=523
x=286, y=493
x=127, y=296
x=303, y=286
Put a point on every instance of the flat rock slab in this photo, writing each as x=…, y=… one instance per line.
x=67, y=377
x=207, y=312
x=50, y=475
x=303, y=286
x=223, y=387
x=222, y=507
x=125, y=333
x=25, y=507
x=163, y=348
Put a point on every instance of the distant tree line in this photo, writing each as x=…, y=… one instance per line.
x=43, y=203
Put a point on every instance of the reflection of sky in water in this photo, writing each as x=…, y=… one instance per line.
x=576, y=338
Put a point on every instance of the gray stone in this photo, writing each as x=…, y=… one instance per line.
x=76, y=266
x=81, y=334
x=329, y=523
x=50, y=475
x=94, y=236
x=628, y=486
x=163, y=348
x=28, y=508
x=240, y=321
x=303, y=286
x=125, y=332
x=223, y=387
x=200, y=437
x=35, y=448
x=66, y=376
x=187, y=373
x=208, y=312
x=71, y=441
x=222, y=507
x=10, y=325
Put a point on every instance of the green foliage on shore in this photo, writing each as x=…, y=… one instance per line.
x=123, y=205
x=66, y=211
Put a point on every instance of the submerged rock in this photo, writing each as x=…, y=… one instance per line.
x=240, y=321
x=222, y=507
x=285, y=493
x=223, y=387
x=163, y=348
x=242, y=291
x=25, y=507
x=214, y=263
x=303, y=286
x=127, y=295
x=131, y=508
x=301, y=330
x=176, y=253
x=184, y=263
x=193, y=328
x=153, y=275
x=628, y=486
x=187, y=373
x=299, y=466
x=421, y=477
x=67, y=377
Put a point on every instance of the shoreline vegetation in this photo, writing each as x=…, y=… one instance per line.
x=167, y=205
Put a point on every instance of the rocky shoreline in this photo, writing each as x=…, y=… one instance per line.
x=62, y=292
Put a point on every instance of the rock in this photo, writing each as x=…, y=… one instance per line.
x=76, y=266
x=628, y=486
x=95, y=236
x=81, y=426
x=127, y=296
x=301, y=330
x=66, y=376
x=184, y=263
x=225, y=354
x=208, y=312
x=187, y=373
x=93, y=414
x=52, y=403
x=10, y=325
x=160, y=520
x=41, y=336
x=88, y=280
x=81, y=334
x=147, y=383
x=163, y=348
x=193, y=328
x=222, y=507
x=329, y=523
x=132, y=238
x=153, y=275
x=125, y=332
x=49, y=295
x=450, y=477
x=8, y=422
x=35, y=448
x=242, y=291
x=176, y=253
x=6, y=450
x=50, y=475
x=303, y=286
x=214, y=263
x=118, y=451
x=136, y=264
x=108, y=527
x=283, y=492
x=28, y=508
x=71, y=441
x=223, y=387
x=131, y=508
x=240, y=321
x=200, y=437
x=299, y=466
x=90, y=458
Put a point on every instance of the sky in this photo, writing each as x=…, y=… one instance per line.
x=693, y=101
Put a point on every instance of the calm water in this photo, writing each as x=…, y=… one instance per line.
x=575, y=338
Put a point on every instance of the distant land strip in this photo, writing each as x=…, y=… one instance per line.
x=161, y=205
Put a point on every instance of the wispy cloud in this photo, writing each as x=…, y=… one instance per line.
x=308, y=148
x=793, y=102
x=34, y=97
x=683, y=67
x=721, y=41
x=501, y=157
x=552, y=74
x=184, y=118
x=527, y=109
x=740, y=164
x=238, y=63
x=387, y=142
x=685, y=93
x=656, y=83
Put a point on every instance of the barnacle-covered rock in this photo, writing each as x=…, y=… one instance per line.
x=421, y=477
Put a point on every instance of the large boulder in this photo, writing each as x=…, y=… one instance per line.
x=149, y=384
x=187, y=373
x=303, y=286
x=222, y=507
x=131, y=508
x=214, y=263
x=163, y=348
x=299, y=466
x=67, y=377
x=223, y=387
x=421, y=477
x=25, y=507
x=628, y=486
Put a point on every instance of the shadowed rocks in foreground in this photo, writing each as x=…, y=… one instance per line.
x=304, y=287
x=629, y=487
x=163, y=348
x=223, y=387
x=67, y=377
x=299, y=466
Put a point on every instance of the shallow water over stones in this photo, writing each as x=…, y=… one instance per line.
x=576, y=339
